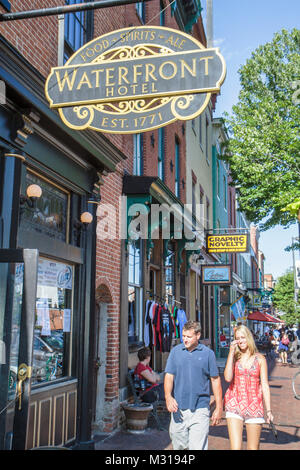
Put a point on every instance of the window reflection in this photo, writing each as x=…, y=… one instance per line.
x=170, y=273
x=51, y=213
x=52, y=334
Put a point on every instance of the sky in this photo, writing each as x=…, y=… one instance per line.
x=239, y=27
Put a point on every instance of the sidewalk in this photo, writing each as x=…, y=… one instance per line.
x=286, y=410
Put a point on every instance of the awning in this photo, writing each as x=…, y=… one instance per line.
x=259, y=316
x=273, y=319
x=148, y=195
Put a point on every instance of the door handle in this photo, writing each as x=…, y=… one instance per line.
x=24, y=372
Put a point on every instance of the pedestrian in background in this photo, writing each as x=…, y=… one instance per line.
x=151, y=389
x=247, y=372
x=283, y=348
x=190, y=369
x=298, y=332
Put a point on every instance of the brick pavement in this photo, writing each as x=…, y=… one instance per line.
x=286, y=410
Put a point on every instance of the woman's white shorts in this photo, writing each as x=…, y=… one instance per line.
x=247, y=420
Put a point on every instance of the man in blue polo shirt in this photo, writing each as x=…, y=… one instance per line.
x=190, y=368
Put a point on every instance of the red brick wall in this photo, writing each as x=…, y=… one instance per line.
x=36, y=40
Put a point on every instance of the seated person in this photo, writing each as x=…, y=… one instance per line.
x=149, y=389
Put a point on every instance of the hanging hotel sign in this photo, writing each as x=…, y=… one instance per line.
x=224, y=243
x=135, y=79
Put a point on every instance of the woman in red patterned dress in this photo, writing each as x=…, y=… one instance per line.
x=247, y=372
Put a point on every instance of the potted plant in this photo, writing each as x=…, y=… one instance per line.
x=136, y=415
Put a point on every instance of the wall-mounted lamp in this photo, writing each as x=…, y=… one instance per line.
x=86, y=219
x=171, y=165
x=33, y=193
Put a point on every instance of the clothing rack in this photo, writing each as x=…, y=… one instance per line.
x=155, y=297
x=162, y=301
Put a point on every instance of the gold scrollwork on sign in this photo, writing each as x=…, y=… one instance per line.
x=128, y=52
x=181, y=103
x=85, y=113
x=136, y=106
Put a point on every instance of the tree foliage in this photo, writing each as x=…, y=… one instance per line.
x=283, y=298
x=264, y=146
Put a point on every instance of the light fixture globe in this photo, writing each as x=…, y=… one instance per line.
x=34, y=190
x=86, y=218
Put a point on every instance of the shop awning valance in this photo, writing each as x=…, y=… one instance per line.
x=259, y=316
x=152, y=190
x=273, y=319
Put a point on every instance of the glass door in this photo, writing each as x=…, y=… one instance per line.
x=18, y=280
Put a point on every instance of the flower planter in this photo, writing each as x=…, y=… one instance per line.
x=137, y=416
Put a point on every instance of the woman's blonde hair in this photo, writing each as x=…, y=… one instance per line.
x=249, y=338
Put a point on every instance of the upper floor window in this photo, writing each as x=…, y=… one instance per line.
x=193, y=126
x=202, y=211
x=207, y=213
x=78, y=29
x=194, y=204
x=200, y=130
x=225, y=191
x=5, y=4
x=138, y=155
x=140, y=8
x=162, y=14
x=177, y=168
x=161, y=153
x=207, y=140
x=218, y=178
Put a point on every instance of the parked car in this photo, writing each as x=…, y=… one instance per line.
x=47, y=357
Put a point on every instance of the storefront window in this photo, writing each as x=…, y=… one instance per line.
x=51, y=214
x=170, y=273
x=53, y=325
x=135, y=291
x=224, y=321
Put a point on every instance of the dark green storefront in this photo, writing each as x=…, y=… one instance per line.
x=47, y=265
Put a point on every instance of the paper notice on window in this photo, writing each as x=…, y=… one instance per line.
x=67, y=320
x=43, y=317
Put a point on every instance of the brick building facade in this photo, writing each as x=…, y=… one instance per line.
x=98, y=348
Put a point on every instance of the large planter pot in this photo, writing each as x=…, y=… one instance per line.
x=137, y=416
